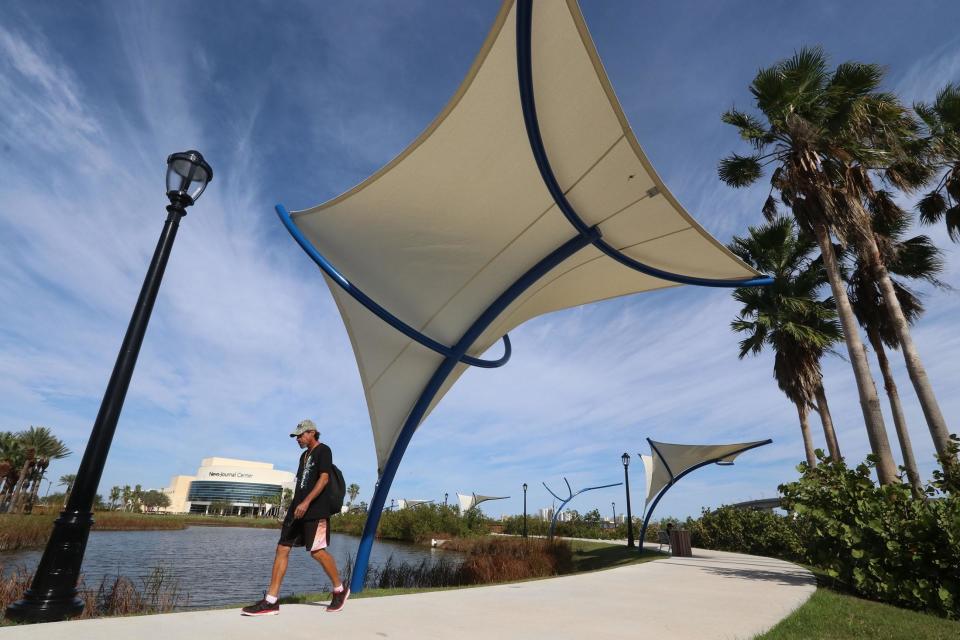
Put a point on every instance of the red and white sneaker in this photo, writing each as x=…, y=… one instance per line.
x=262, y=608
x=338, y=599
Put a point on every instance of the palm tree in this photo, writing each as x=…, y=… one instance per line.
x=127, y=496
x=67, y=481
x=915, y=257
x=12, y=455
x=114, y=496
x=942, y=120
x=789, y=318
x=824, y=132
x=353, y=490
x=45, y=447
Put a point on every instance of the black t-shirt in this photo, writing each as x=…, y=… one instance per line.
x=312, y=464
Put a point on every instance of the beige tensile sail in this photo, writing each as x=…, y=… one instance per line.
x=669, y=461
x=443, y=229
x=468, y=502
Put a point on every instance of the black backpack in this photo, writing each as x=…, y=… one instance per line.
x=337, y=489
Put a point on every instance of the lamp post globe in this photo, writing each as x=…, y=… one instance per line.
x=53, y=591
x=625, y=459
x=524, y=509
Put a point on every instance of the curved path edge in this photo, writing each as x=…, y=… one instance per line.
x=713, y=594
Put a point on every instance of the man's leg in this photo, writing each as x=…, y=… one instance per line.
x=279, y=570
x=329, y=565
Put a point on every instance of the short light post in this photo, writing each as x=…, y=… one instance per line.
x=613, y=505
x=625, y=458
x=524, y=509
x=53, y=593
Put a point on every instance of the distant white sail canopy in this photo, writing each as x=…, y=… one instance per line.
x=667, y=462
x=437, y=235
x=472, y=500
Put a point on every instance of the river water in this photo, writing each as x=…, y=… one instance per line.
x=217, y=566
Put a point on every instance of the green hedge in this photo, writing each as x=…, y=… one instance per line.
x=419, y=523
x=881, y=543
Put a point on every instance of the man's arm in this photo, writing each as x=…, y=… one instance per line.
x=318, y=488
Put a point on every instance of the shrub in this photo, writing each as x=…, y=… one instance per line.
x=747, y=531
x=879, y=542
x=419, y=523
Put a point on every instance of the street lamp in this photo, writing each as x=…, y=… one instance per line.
x=53, y=592
x=445, y=498
x=524, y=509
x=625, y=458
x=613, y=505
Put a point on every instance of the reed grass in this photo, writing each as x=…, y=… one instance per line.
x=159, y=592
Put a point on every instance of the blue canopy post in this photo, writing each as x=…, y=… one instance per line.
x=563, y=502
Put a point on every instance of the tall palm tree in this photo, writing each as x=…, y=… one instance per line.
x=353, y=490
x=114, y=496
x=789, y=318
x=12, y=455
x=915, y=258
x=942, y=120
x=45, y=447
x=824, y=132
x=67, y=480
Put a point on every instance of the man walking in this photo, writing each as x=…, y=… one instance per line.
x=307, y=523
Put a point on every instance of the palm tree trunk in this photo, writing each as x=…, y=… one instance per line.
x=805, y=432
x=918, y=374
x=16, y=499
x=899, y=421
x=828, y=432
x=869, y=400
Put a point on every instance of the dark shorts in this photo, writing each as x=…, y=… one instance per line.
x=312, y=534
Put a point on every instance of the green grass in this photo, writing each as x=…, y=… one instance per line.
x=594, y=556
x=829, y=615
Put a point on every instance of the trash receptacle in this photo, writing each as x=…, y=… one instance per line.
x=680, y=543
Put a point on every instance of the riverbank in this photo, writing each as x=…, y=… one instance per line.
x=26, y=531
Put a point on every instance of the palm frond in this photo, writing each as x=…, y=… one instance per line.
x=740, y=171
x=931, y=207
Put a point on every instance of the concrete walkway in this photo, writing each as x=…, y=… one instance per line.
x=711, y=595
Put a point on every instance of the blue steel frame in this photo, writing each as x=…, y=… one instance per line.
x=563, y=503
x=675, y=479
x=458, y=353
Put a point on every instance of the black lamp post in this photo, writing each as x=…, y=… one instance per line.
x=445, y=499
x=613, y=505
x=524, y=509
x=625, y=458
x=53, y=593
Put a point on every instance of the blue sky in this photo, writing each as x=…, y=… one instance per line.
x=295, y=103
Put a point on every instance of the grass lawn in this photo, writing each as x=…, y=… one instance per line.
x=829, y=615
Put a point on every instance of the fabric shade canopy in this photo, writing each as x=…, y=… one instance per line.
x=472, y=500
x=443, y=229
x=669, y=461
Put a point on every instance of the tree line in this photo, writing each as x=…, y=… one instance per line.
x=841, y=155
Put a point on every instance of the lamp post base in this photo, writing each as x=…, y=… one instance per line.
x=37, y=608
x=53, y=595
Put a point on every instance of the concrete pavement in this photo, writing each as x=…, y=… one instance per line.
x=711, y=595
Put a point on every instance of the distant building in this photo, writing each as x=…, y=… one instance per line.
x=242, y=483
x=546, y=513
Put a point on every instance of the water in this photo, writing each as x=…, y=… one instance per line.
x=218, y=566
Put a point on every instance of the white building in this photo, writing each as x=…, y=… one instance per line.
x=242, y=483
